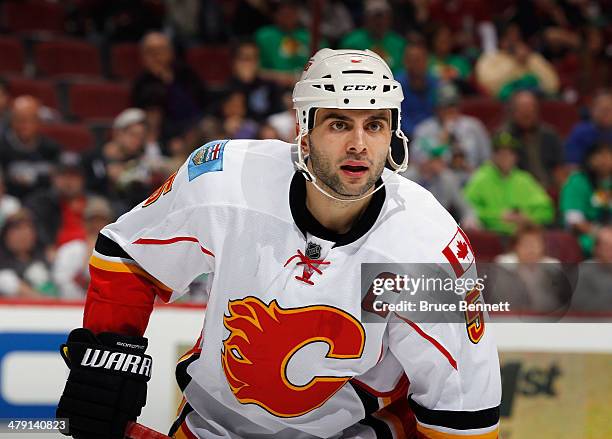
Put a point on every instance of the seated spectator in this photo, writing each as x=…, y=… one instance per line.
x=419, y=88
x=267, y=131
x=124, y=170
x=552, y=25
x=284, y=46
x=377, y=35
x=593, y=292
x=335, y=21
x=231, y=118
x=540, y=150
x=593, y=69
x=71, y=264
x=169, y=86
x=284, y=122
x=528, y=247
x=465, y=136
x=504, y=196
x=527, y=278
x=586, y=196
x=4, y=107
x=24, y=271
x=114, y=21
x=444, y=64
x=263, y=97
x=588, y=133
x=26, y=156
x=8, y=204
x=515, y=66
x=58, y=210
x=433, y=174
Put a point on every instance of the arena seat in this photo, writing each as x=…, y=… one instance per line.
x=67, y=58
x=486, y=245
x=561, y=115
x=42, y=89
x=125, y=61
x=73, y=137
x=103, y=100
x=12, y=58
x=562, y=245
x=490, y=111
x=213, y=64
x=33, y=16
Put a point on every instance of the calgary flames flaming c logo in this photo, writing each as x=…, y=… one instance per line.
x=262, y=340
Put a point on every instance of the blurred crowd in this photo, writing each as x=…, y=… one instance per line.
x=507, y=107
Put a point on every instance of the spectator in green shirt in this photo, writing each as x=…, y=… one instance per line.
x=504, y=196
x=445, y=65
x=284, y=47
x=376, y=35
x=586, y=197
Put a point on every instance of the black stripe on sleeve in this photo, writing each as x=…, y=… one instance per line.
x=369, y=401
x=458, y=420
x=180, y=419
x=370, y=406
x=107, y=247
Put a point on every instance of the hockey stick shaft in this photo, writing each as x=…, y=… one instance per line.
x=135, y=430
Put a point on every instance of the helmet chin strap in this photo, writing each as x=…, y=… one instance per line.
x=309, y=176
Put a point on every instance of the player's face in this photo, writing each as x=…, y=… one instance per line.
x=347, y=149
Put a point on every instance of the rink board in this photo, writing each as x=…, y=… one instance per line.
x=557, y=378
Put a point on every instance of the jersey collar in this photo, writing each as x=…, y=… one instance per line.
x=307, y=223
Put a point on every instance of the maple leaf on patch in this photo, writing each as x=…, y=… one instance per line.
x=462, y=250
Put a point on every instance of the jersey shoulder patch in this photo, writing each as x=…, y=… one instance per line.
x=207, y=158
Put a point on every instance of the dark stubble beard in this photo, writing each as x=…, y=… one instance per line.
x=324, y=170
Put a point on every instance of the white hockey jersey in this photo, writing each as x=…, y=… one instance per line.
x=284, y=352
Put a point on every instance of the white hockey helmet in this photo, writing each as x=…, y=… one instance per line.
x=347, y=79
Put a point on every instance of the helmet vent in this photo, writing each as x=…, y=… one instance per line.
x=386, y=88
x=364, y=72
x=326, y=76
x=329, y=87
x=385, y=77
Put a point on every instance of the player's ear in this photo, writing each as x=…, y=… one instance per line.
x=304, y=140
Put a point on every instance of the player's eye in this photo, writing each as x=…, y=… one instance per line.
x=375, y=126
x=338, y=125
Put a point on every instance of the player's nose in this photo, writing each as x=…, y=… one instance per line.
x=357, y=140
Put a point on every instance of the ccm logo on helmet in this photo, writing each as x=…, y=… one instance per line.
x=119, y=361
x=359, y=87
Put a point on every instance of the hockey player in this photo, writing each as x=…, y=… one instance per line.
x=283, y=230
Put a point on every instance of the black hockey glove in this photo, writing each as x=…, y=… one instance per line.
x=107, y=385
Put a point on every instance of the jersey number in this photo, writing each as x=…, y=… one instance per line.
x=162, y=190
x=474, y=320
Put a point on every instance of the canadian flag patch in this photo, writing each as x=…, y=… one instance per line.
x=459, y=253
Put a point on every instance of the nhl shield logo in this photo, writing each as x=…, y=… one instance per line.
x=313, y=251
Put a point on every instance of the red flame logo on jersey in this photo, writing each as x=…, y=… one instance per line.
x=262, y=340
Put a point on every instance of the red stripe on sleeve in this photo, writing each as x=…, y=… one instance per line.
x=432, y=340
x=172, y=241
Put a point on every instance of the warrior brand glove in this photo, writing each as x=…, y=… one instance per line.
x=107, y=385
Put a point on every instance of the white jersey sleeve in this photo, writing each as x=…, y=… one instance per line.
x=171, y=235
x=453, y=368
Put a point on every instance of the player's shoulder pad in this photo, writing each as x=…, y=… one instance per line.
x=206, y=158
